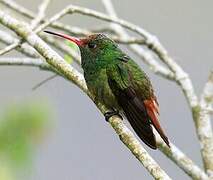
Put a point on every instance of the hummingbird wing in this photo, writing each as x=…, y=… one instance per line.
x=134, y=94
x=133, y=107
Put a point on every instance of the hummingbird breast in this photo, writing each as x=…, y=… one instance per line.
x=97, y=83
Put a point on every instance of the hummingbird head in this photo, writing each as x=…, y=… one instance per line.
x=96, y=48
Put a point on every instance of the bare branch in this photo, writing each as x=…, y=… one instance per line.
x=33, y=62
x=207, y=95
x=16, y=7
x=73, y=75
x=34, y=23
x=41, y=13
x=204, y=120
x=8, y=48
x=181, y=160
x=24, y=48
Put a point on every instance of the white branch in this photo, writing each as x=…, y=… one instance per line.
x=8, y=48
x=182, y=161
x=41, y=13
x=34, y=23
x=13, y=5
x=17, y=61
x=207, y=95
x=205, y=133
x=25, y=48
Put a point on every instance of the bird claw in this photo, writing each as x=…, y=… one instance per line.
x=109, y=114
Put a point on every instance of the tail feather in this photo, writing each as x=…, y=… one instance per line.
x=152, y=110
x=143, y=130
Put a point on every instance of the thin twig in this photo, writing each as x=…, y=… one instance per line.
x=206, y=102
x=13, y=5
x=34, y=23
x=41, y=14
x=44, y=81
x=9, y=48
x=20, y=61
x=182, y=161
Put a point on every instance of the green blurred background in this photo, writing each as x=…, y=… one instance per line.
x=81, y=145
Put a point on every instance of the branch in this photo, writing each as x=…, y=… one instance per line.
x=73, y=75
x=41, y=13
x=34, y=23
x=24, y=48
x=207, y=94
x=182, y=161
x=16, y=7
x=16, y=61
x=205, y=133
x=9, y=48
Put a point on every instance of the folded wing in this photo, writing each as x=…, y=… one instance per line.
x=141, y=113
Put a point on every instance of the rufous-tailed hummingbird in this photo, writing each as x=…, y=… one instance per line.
x=118, y=82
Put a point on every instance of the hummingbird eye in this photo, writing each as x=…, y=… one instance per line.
x=91, y=45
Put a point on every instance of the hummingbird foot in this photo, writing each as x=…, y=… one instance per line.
x=109, y=114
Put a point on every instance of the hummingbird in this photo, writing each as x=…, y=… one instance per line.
x=120, y=84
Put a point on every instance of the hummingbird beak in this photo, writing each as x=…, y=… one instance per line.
x=73, y=39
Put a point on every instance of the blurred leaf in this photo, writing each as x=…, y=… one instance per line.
x=21, y=125
x=68, y=59
x=74, y=47
x=5, y=173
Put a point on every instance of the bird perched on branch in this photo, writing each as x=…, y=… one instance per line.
x=118, y=82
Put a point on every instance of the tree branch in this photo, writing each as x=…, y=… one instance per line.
x=204, y=120
x=182, y=161
x=41, y=13
x=34, y=23
x=20, y=61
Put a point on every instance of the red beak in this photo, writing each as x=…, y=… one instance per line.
x=73, y=39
